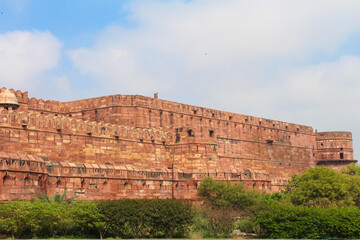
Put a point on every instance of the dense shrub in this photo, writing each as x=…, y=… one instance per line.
x=247, y=226
x=220, y=193
x=285, y=221
x=123, y=218
x=15, y=218
x=224, y=204
x=147, y=218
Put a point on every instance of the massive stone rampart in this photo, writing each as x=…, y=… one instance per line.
x=149, y=133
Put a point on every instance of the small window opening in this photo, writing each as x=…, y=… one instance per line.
x=195, y=111
x=141, y=140
x=341, y=149
x=270, y=142
x=190, y=133
x=89, y=134
x=177, y=137
x=322, y=144
x=213, y=115
x=259, y=122
x=341, y=155
x=230, y=117
x=246, y=120
x=211, y=133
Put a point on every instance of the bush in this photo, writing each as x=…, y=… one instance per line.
x=123, y=218
x=15, y=218
x=284, y=221
x=220, y=193
x=138, y=218
x=214, y=222
x=247, y=226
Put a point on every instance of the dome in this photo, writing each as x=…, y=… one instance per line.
x=8, y=98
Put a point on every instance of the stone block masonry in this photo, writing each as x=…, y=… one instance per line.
x=141, y=147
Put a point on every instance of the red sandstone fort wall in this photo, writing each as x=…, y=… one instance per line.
x=152, y=133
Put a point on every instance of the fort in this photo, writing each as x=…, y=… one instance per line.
x=143, y=147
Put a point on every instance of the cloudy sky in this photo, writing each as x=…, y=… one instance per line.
x=289, y=60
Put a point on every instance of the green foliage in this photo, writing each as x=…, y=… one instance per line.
x=247, y=226
x=57, y=197
x=351, y=169
x=87, y=218
x=225, y=203
x=201, y=226
x=125, y=218
x=51, y=219
x=285, y=221
x=15, y=217
x=220, y=193
x=135, y=218
x=321, y=186
x=214, y=222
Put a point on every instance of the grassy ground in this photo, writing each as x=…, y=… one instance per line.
x=141, y=239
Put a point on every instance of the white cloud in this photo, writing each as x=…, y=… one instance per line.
x=177, y=43
x=236, y=55
x=328, y=94
x=25, y=56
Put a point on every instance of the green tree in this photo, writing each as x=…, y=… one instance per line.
x=224, y=204
x=87, y=218
x=15, y=217
x=322, y=186
x=351, y=169
x=220, y=193
x=49, y=219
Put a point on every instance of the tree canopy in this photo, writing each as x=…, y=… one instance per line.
x=219, y=193
x=322, y=186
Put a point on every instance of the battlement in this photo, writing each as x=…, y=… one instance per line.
x=79, y=107
x=68, y=125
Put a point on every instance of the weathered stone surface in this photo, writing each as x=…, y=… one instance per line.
x=126, y=146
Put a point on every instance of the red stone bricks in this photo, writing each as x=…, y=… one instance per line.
x=140, y=147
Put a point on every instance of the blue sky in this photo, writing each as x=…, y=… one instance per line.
x=296, y=61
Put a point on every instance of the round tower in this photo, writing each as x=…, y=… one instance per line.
x=334, y=149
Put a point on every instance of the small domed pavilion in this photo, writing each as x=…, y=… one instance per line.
x=8, y=100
